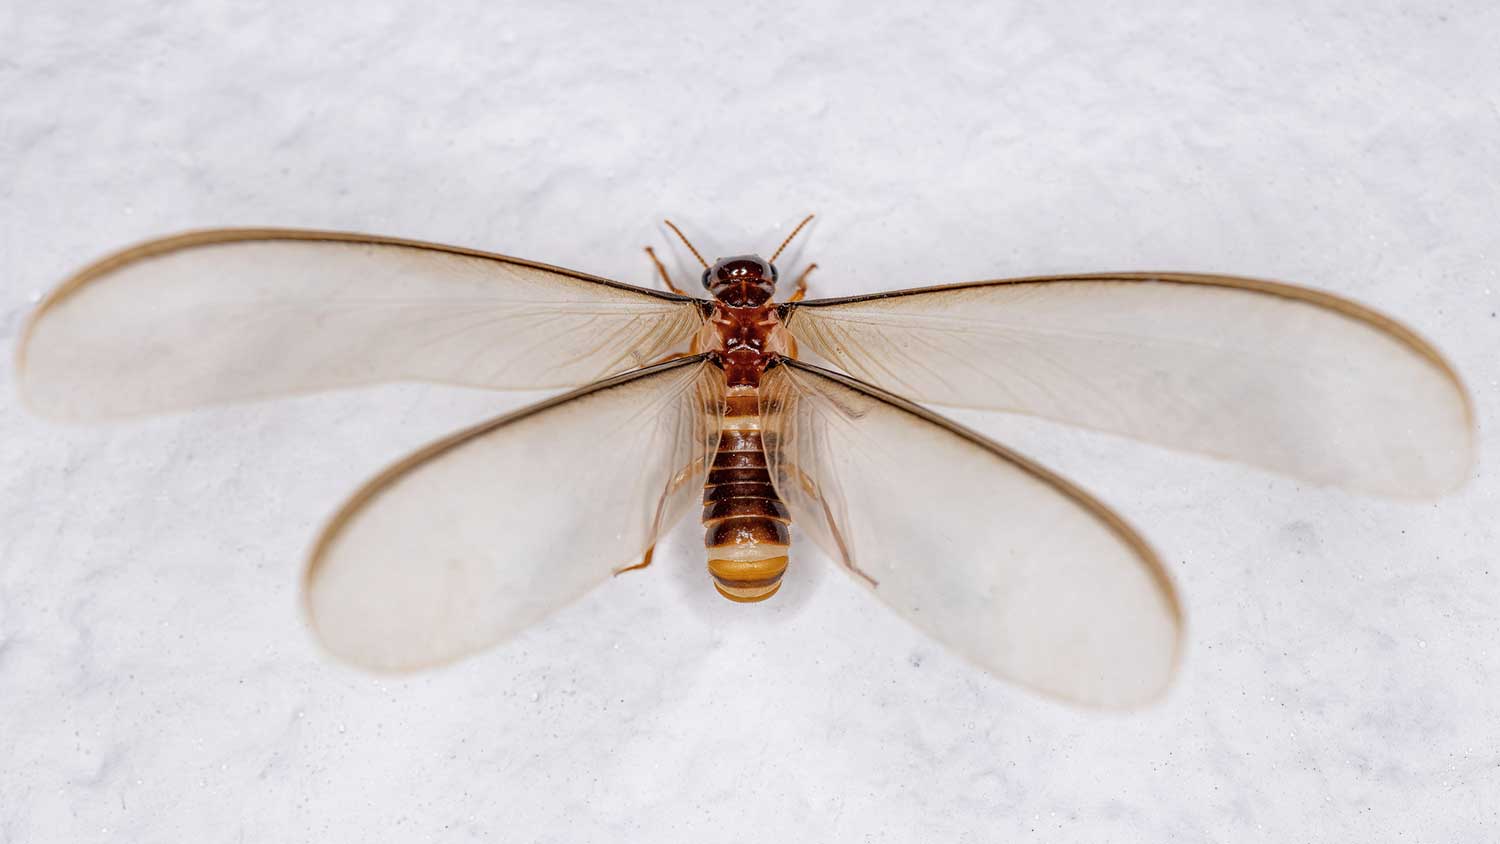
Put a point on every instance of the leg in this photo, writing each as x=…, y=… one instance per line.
x=662, y=271
x=645, y=561
x=676, y=484
x=801, y=288
x=811, y=490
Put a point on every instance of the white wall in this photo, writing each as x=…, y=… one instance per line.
x=1342, y=680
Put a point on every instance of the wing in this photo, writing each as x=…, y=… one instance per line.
x=481, y=534
x=1281, y=377
x=1004, y=562
x=223, y=316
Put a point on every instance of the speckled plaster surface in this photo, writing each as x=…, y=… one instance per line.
x=1342, y=677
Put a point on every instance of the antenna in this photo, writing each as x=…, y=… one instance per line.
x=688, y=243
x=805, y=221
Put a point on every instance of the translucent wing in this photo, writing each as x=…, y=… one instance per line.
x=1004, y=562
x=1281, y=377
x=223, y=316
x=477, y=536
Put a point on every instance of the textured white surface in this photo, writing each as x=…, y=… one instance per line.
x=1342, y=676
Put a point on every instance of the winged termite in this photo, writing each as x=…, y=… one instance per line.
x=478, y=535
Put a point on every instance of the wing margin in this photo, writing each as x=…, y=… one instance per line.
x=229, y=315
x=438, y=556
x=1286, y=378
x=887, y=487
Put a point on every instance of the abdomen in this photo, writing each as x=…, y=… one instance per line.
x=747, y=535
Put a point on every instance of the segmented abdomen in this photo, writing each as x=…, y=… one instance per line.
x=746, y=521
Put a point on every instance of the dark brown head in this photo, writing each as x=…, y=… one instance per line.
x=743, y=281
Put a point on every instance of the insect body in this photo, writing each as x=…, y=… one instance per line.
x=482, y=533
x=747, y=536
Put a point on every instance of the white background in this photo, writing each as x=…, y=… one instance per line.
x=1342, y=676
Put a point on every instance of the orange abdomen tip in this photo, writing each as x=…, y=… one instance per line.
x=747, y=581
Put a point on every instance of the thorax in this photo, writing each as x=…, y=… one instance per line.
x=744, y=340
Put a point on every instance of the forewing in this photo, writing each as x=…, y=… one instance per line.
x=223, y=316
x=1281, y=377
x=1004, y=562
x=479, y=535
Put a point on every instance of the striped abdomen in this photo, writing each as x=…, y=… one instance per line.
x=746, y=521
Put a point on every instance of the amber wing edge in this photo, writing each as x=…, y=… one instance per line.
x=167, y=244
x=392, y=473
x=1096, y=508
x=1346, y=308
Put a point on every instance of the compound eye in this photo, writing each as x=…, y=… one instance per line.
x=707, y=278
